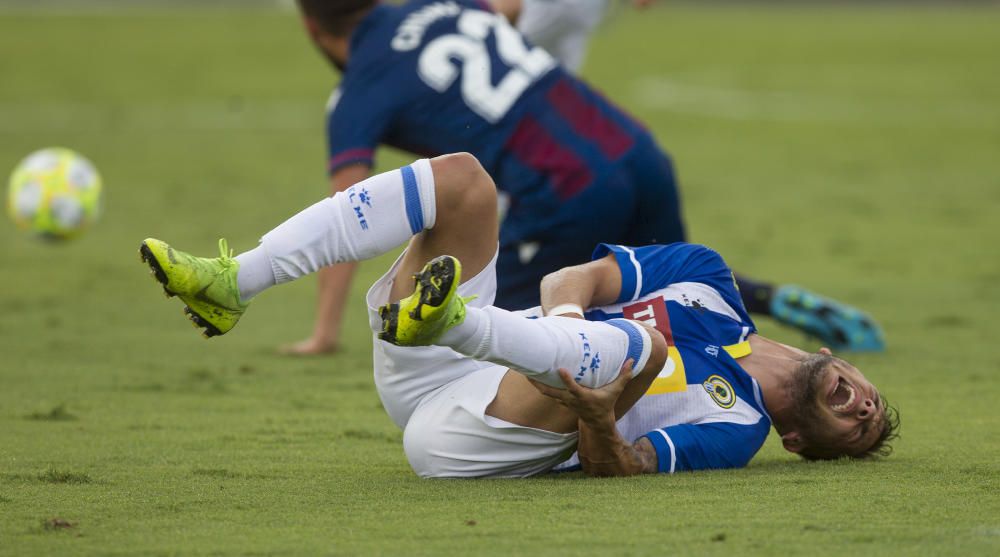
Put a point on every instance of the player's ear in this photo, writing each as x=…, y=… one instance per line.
x=312, y=27
x=825, y=351
x=792, y=442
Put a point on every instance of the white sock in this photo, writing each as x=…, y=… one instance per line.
x=255, y=274
x=368, y=219
x=592, y=351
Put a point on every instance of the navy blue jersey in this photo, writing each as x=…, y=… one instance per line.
x=435, y=77
x=703, y=410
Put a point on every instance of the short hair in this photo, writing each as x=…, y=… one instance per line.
x=880, y=448
x=337, y=17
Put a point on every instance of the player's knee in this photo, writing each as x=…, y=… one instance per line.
x=417, y=440
x=463, y=187
x=657, y=353
x=425, y=442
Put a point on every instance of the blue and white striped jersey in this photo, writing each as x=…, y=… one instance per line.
x=703, y=410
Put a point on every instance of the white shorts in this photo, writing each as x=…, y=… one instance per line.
x=439, y=398
x=450, y=435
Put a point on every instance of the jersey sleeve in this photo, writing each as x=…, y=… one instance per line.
x=717, y=445
x=649, y=268
x=354, y=128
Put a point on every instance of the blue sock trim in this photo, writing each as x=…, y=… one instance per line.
x=411, y=193
x=634, y=338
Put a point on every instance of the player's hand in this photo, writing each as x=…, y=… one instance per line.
x=311, y=346
x=590, y=405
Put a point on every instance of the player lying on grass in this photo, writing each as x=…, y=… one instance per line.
x=434, y=77
x=481, y=391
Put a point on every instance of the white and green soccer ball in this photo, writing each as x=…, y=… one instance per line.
x=54, y=193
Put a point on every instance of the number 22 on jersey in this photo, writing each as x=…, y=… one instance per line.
x=438, y=68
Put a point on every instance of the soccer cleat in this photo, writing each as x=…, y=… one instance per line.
x=837, y=325
x=433, y=308
x=207, y=286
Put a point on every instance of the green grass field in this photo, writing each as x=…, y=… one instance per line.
x=852, y=150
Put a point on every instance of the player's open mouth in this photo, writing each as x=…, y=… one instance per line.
x=843, y=396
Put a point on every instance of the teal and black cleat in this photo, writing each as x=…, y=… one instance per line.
x=837, y=325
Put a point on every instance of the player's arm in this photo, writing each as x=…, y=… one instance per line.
x=334, y=282
x=620, y=273
x=596, y=283
x=604, y=452
x=601, y=448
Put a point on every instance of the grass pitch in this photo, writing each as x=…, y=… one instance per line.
x=852, y=150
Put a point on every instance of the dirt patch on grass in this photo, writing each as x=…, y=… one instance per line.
x=56, y=414
x=224, y=474
x=53, y=476
x=56, y=523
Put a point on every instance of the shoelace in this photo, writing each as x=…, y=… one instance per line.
x=225, y=254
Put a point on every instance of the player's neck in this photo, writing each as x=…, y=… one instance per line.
x=771, y=363
x=339, y=49
x=335, y=49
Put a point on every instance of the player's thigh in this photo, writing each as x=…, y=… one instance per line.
x=658, y=218
x=465, y=224
x=404, y=376
x=450, y=436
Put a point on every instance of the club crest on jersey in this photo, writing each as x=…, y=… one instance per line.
x=720, y=390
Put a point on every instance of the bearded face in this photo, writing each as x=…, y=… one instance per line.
x=836, y=410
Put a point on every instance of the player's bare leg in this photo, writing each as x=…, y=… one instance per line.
x=465, y=224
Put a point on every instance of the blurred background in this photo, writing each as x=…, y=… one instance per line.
x=851, y=147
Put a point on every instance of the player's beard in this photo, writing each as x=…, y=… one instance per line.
x=804, y=389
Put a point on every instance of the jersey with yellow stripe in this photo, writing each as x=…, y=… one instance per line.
x=703, y=410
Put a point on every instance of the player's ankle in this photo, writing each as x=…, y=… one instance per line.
x=255, y=273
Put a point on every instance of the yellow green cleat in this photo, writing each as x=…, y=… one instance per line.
x=433, y=308
x=207, y=286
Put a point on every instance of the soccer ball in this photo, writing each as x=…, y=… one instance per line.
x=54, y=193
